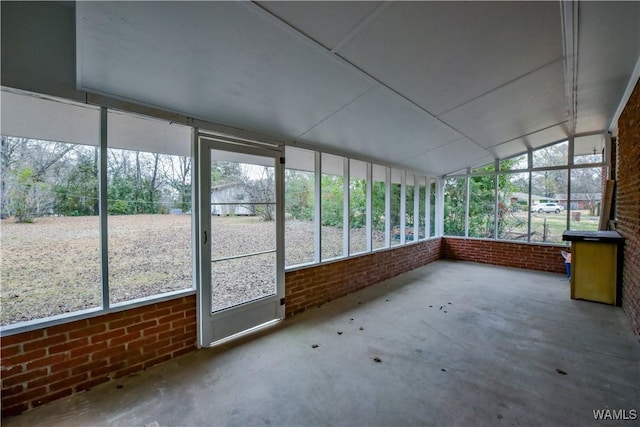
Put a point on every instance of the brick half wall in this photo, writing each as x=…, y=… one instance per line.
x=317, y=285
x=508, y=254
x=628, y=204
x=47, y=364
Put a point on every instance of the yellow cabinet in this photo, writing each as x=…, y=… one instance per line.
x=595, y=265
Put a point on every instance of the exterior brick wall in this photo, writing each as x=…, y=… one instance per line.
x=47, y=364
x=316, y=285
x=508, y=254
x=628, y=204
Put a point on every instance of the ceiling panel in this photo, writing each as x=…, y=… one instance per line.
x=525, y=106
x=448, y=158
x=533, y=140
x=443, y=54
x=608, y=48
x=491, y=72
x=326, y=22
x=220, y=61
x=382, y=126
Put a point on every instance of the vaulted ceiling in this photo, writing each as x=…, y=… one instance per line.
x=431, y=86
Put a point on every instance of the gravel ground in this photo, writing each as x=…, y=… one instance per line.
x=53, y=266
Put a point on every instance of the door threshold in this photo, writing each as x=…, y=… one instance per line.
x=245, y=333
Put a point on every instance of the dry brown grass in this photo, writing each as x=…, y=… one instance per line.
x=52, y=266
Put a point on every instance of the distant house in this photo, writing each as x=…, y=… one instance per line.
x=581, y=201
x=518, y=200
x=228, y=199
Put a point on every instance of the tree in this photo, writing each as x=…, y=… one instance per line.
x=77, y=192
x=299, y=194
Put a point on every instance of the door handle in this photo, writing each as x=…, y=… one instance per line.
x=205, y=237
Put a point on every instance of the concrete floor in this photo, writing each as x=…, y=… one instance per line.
x=460, y=344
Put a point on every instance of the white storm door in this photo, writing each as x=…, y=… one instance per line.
x=241, y=238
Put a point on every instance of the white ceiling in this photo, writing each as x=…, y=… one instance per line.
x=431, y=86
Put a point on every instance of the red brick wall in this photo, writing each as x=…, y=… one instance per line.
x=508, y=254
x=48, y=364
x=316, y=285
x=628, y=204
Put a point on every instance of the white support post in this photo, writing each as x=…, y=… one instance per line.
x=403, y=207
x=317, y=220
x=346, y=226
x=416, y=207
x=369, y=208
x=387, y=207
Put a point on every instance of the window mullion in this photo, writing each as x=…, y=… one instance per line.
x=102, y=195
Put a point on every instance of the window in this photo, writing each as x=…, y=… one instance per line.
x=357, y=206
x=410, y=214
x=378, y=207
x=299, y=199
x=396, y=206
x=332, y=206
x=588, y=149
x=455, y=192
x=482, y=206
x=548, y=222
x=586, y=198
x=148, y=201
x=515, y=163
x=422, y=207
x=50, y=240
x=432, y=209
x=553, y=155
x=513, y=206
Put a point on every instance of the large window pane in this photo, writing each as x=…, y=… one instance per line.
x=481, y=206
x=410, y=214
x=455, y=190
x=422, y=207
x=357, y=206
x=549, y=214
x=332, y=206
x=49, y=242
x=396, y=201
x=513, y=206
x=148, y=202
x=378, y=207
x=586, y=198
x=515, y=163
x=588, y=149
x=432, y=209
x=299, y=207
x=553, y=155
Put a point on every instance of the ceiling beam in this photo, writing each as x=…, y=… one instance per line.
x=569, y=15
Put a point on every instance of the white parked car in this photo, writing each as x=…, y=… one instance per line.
x=547, y=207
